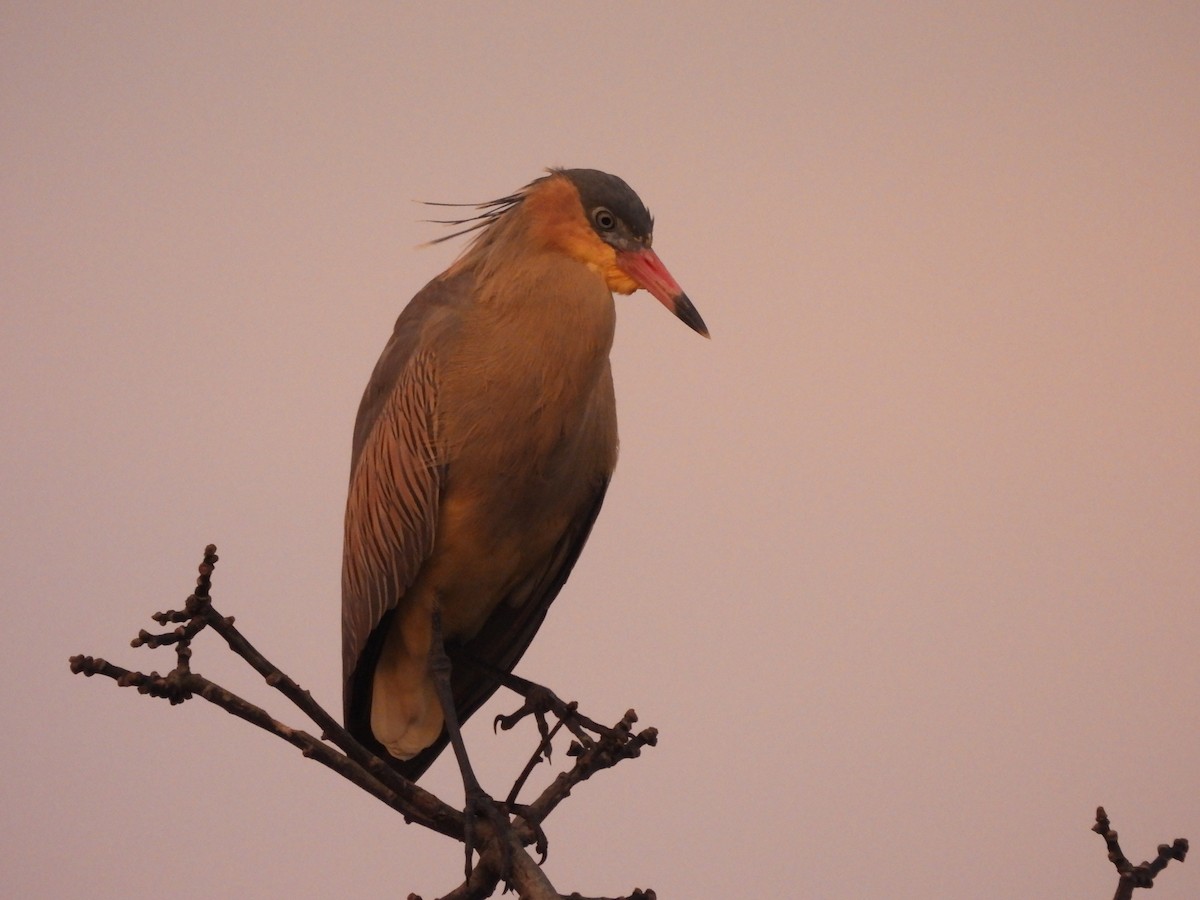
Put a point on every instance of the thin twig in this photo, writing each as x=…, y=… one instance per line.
x=1129, y=875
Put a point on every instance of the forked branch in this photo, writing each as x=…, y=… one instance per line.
x=503, y=855
x=1130, y=876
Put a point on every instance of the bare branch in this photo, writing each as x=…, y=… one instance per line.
x=1129, y=875
x=502, y=856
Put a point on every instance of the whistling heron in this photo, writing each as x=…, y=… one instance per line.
x=483, y=446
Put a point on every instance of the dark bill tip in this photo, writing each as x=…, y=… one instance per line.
x=689, y=315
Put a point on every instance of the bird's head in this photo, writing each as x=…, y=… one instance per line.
x=598, y=220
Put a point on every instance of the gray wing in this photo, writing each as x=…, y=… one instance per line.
x=396, y=480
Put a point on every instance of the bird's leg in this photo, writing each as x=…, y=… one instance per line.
x=477, y=800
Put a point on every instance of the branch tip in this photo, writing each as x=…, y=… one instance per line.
x=1129, y=875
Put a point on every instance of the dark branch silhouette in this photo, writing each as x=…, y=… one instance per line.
x=503, y=856
x=1129, y=875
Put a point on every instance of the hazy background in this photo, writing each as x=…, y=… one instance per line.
x=903, y=563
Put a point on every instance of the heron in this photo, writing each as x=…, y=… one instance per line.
x=482, y=449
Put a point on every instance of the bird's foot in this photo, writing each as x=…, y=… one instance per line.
x=480, y=805
x=540, y=700
x=541, y=843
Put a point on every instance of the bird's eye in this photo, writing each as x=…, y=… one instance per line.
x=603, y=219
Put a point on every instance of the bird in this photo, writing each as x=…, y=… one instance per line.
x=482, y=449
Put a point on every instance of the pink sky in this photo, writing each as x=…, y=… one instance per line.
x=903, y=563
